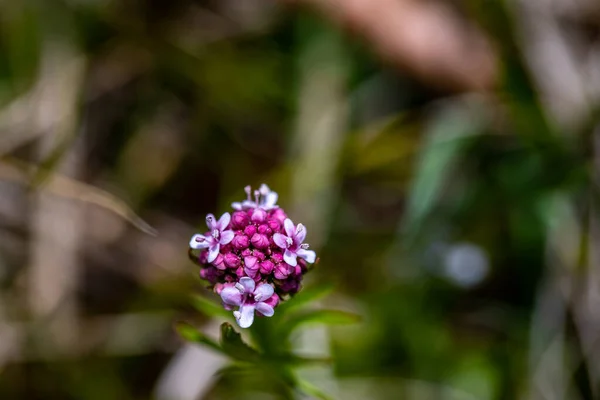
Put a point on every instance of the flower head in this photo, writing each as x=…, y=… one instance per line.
x=254, y=258
x=248, y=297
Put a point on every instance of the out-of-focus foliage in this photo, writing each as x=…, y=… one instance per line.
x=461, y=228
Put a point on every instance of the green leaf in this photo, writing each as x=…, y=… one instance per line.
x=452, y=129
x=192, y=334
x=311, y=390
x=325, y=317
x=232, y=343
x=208, y=307
x=306, y=296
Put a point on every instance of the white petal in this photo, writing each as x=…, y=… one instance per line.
x=265, y=291
x=231, y=296
x=289, y=227
x=213, y=252
x=223, y=222
x=248, y=284
x=290, y=258
x=245, y=317
x=265, y=309
x=300, y=234
x=226, y=237
x=211, y=222
x=280, y=240
x=199, y=242
x=264, y=189
x=308, y=255
x=236, y=206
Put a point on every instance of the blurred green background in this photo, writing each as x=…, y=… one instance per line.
x=442, y=154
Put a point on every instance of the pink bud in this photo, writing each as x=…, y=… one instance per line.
x=219, y=262
x=273, y=300
x=240, y=272
x=203, y=257
x=260, y=241
x=231, y=260
x=274, y=225
x=279, y=215
x=250, y=261
x=277, y=257
x=251, y=267
x=246, y=253
x=250, y=230
x=218, y=288
x=259, y=254
x=259, y=215
x=264, y=229
x=297, y=270
x=282, y=271
x=266, y=267
x=239, y=220
x=290, y=286
x=240, y=242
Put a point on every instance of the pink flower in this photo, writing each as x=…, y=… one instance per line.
x=218, y=236
x=292, y=243
x=247, y=256
x=248, y=297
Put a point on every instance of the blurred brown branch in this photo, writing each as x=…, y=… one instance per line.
x=425, y=38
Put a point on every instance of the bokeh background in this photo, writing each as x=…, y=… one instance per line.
x=442, y=153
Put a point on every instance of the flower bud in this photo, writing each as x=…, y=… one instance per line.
x=260, y=241
x=218, y=262
x=240, y=271
x=218, y=288
x=250, y=230
x=279, y=215
x=264, y=229
x=259, y=215
x=240, y=242
x=239, y=220
x=251, y=266
x=282, y=271
x=246, y=253
x=290, y=286
x=273, y=300
x=259, y=254
x=231, y=260
x=277, y=257
x=266, y=267
x=209, y=274
x=274, y=225
x=297, y=271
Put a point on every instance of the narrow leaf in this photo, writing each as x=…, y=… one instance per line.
x=325, y=317
x=306, y=296
x=232, y=343
x=192, y=334
x=208, y=307
x=311, y=390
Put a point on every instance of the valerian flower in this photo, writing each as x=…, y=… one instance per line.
x=291, y=242
x=248, y=297
x=255, y=257
x=215, y=238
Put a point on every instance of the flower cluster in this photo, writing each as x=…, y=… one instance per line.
x=253, y=258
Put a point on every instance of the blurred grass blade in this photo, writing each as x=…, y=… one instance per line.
x=311, y=390
x=192, y=334
x=446, y=140
x=306, y=296
x=208, y=307
x=232, y=343
x=19, y=171
x=324, y=317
